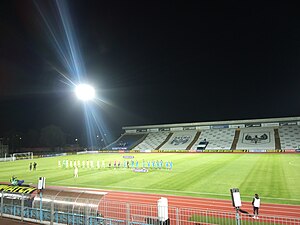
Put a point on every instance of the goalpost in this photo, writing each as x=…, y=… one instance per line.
x=23, y=155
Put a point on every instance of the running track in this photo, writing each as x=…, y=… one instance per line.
x=278, y=210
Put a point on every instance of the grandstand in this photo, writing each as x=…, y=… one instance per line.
x=152, y=141
x=216, y=138
x=127, y=141
x=179, y=140
x=256, y=138
x=257, y=135
x=289, y=137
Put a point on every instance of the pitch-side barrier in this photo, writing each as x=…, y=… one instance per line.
x=82, y=212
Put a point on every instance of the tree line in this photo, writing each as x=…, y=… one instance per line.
x=50, y=136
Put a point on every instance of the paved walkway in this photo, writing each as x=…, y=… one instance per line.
x=7, y=221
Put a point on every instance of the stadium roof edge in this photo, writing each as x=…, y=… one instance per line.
x=227, y=122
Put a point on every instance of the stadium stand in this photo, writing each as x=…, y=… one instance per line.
x=249, y=135
x=289, y=137
x=126, y=142
x=152, y=141
x=256, y=138
x=216, y=138
x=180, y=140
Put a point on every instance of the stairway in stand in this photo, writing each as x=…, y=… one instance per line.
x=277, y=139
x=235, y=139
x=194, y=141
x=165, y=141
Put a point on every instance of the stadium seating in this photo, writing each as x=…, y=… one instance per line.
x=289, y=137
x=126, y=142
x=216, y=138
x=152, y=141
x=256, y=138
x=180, y=140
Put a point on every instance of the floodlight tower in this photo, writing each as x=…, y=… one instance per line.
x=86, y=93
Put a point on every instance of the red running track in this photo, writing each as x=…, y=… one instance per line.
x=267, y=209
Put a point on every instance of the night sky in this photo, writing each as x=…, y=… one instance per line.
x=152, y=62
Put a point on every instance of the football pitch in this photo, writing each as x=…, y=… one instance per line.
x=275, y=177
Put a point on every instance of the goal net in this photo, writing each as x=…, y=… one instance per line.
x=23, y=155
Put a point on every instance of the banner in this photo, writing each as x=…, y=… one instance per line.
x=145, y=150
x=287, y=123
x=253, y=125
x=128, y=156
x=218, y=150
x=17, y=189
x=141, y=130
x=237, y=126
x=189, y=128
x=257, y=150
x=270, y=124
x=290, y=150
x=176, y=128
x=275, y=150
x=153, y=129
x=143, y=170
x=219, y=126
x=203, y=127
x=164, y=129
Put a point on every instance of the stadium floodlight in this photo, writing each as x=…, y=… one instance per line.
x=85, y=92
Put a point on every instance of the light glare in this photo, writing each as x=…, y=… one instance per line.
x=85, y=92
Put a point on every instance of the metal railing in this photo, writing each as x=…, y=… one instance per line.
x=122, y=213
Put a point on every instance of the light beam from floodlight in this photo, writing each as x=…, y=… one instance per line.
x=85, y=92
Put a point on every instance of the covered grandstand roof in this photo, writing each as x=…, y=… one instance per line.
x=212, y=123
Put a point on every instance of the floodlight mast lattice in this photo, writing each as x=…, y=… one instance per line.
x=85, y=92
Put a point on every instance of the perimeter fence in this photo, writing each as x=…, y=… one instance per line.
x=123, y=213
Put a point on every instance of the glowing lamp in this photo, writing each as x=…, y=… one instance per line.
x=85, y=92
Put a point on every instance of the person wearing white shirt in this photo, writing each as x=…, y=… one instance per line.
x=256, y=206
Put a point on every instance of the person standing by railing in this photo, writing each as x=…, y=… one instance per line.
x=256, y=206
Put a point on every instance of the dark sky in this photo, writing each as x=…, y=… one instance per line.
x=153, y=62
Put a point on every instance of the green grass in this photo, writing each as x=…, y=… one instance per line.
x=275, y=177
x=209, y=219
